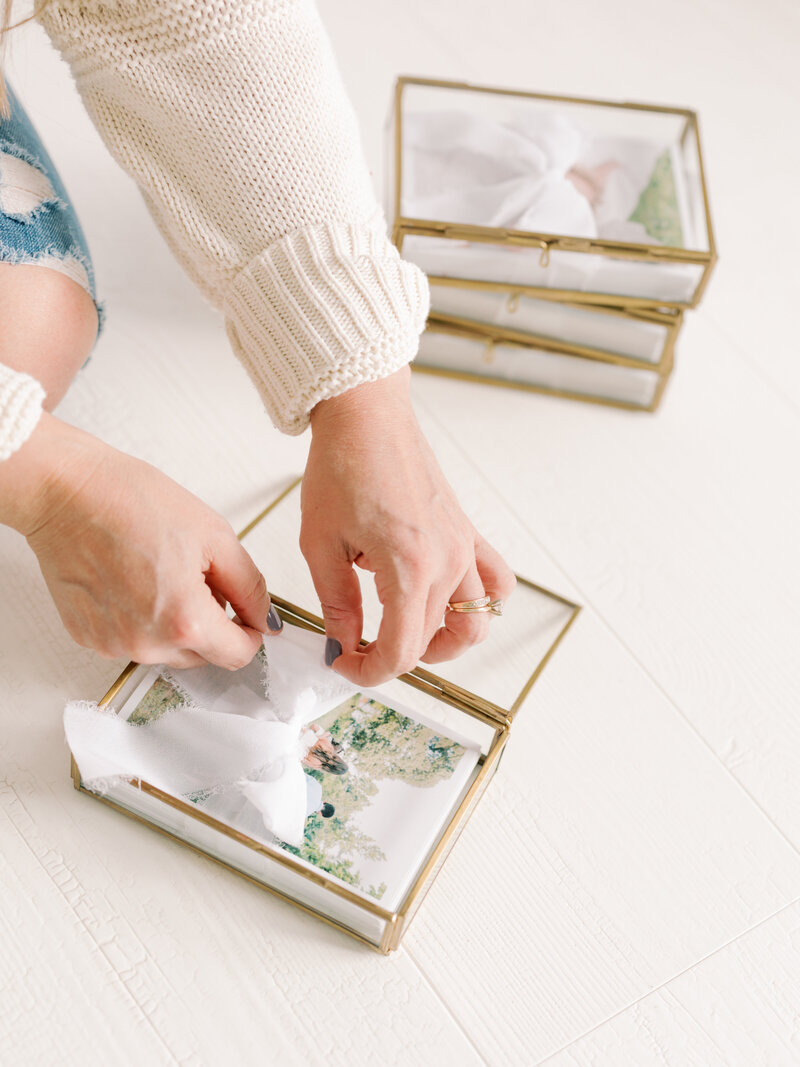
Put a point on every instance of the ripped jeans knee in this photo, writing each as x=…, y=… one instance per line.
x=38, y=224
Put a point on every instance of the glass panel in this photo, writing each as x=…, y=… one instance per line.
x=496, y=670
x=694, y=187
x=548, y=166
x=409, y=907
x=534, y=366
x=230, y=849
x=617, y=334
x=257, y=865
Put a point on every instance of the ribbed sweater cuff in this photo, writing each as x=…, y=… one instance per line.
x=322, y=310
x=21, y=399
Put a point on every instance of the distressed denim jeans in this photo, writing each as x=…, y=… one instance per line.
x=38, y=224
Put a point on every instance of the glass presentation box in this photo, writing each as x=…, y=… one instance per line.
x=495, y=357
x=597, y=201
x=503, y=336
x=646, y=336
x=475, y=698
x=562, y=237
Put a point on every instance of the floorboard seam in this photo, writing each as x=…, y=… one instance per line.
x=445, y=1005
x=668, y=981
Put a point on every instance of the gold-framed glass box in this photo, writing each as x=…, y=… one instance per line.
x=597, y=201
x=500, y=358
x=474, y=699
x=646, y=336
x=501, y=335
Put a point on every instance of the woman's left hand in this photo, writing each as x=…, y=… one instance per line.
x=374, y=497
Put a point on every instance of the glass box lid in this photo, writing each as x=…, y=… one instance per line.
x=492, y=678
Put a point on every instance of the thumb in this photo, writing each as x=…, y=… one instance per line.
x=339, y=592
x=234, y=575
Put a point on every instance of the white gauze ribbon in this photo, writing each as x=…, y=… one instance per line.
x=242, y=730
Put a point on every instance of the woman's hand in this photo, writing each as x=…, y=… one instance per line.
x=137, y=566
x=373, y=496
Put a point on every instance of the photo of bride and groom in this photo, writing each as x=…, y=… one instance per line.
x=323, y=755
x=378, y=781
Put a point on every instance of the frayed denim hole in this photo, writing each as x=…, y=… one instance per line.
x=28, y=193
x=28, y=217
x=10, y=148
x=17, y=255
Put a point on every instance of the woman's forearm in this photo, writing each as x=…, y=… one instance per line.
x=240, y=135
x=28, y=477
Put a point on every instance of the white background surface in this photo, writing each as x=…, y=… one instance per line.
x=627, y=892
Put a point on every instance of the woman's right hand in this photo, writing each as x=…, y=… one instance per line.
x=138, y=567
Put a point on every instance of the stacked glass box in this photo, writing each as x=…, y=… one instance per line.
x=563, y=238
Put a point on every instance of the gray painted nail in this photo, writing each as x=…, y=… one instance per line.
x=274, y=621
x=333, y=649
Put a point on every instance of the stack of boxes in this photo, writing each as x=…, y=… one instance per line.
x=563, y=238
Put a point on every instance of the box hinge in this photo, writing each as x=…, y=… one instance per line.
x=425, y=681
x=459, y=698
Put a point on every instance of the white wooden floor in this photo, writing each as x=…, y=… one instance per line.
x=628, y=892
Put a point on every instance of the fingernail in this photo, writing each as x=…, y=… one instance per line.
x=274, y=621
x=333, y=649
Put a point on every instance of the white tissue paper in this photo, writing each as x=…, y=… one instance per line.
x=521, y=173
x=236, y=737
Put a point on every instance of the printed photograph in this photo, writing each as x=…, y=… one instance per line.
x=379, y=782
x=374, y=778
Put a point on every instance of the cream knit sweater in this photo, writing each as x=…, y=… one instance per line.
x=232, y=118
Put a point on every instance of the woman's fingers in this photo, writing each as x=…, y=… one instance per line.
x=233, y=574
x=415, y=625
x=182, y=660
x=400, y=639
x=198, y=634
x=215, y=638
x=339, y=592
x=413, y=606
x=459, y=631
x=489, y=576
x=496, y=575
x=149, y=655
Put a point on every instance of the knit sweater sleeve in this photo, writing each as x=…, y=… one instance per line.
x=232, y=118
x=21, y=399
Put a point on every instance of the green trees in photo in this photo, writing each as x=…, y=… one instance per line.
x=378, y=743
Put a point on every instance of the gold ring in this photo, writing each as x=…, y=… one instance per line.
x=483, y=604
